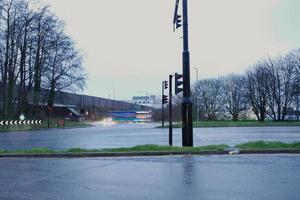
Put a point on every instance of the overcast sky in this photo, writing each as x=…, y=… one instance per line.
x=129, y=46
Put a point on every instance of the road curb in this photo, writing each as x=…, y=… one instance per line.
x=146, y=153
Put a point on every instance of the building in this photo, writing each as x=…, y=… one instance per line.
x=149, y=101
x=69, y=105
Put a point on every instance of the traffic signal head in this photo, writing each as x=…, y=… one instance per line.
x=178, y=83
x=166, y=84
x=178, y=21
x=50, y=108
x=177, y=18
x=165, y=99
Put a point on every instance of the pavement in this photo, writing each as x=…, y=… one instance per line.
x=103, y=135
x=237, y=177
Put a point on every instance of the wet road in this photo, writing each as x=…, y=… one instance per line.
x=246, y=177
x=125, y=135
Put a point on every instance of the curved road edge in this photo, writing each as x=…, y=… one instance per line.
x=147, y=153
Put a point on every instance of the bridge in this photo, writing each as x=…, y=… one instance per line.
x=66, y=103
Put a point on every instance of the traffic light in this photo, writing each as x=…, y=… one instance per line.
x=177, y=18
x=178, y=83
x=178, y=21
x=166, y=84
x=165, y=99
x=50, y=108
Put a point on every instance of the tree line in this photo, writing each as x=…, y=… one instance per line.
x=269, y=89
x=35, y=56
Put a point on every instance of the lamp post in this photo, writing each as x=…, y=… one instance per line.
x=196, y=91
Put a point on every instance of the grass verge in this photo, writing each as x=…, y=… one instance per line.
x=242, y=123
x=258, y=145
x=268, y=145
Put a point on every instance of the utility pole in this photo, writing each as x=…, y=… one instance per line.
x=48, y=117
x=170, y=112
x=82, y=106
x=162, y=105
x=196, y=91
x=187, y=120
x=94, y=118
x=297, y=103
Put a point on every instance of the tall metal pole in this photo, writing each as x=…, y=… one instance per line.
x=170, y=112
x=82, y=106
x=48, y=117
x=187, y=120
x=196, y=91
x=297, y=103
x=162, y=105
x=94, y=117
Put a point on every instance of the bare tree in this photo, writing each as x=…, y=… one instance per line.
x=256, y=90
x=209, y=94
x=45, y=23
x=10, y=34
x=233, y=96
x=64, y=69
x=294, y=57
x=280, y=86
x=33, y=47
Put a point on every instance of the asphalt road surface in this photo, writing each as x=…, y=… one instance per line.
x=239, y=177
x=126, y=135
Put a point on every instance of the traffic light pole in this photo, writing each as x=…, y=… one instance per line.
x=170, y=112
x=196, y=91
x=162, y=105
x=48, y=118
x=187, y=121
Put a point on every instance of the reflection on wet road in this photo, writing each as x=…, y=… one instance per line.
x=124, y=135
x=262, y=177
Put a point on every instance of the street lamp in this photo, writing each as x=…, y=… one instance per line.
x=196, y=91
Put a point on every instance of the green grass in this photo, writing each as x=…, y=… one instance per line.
x=150, y=147
x=141, y=148
x=3, y=151
x=29, y=151
x=166, y=148
x=241, y=123
x=44, y=125
x=268, y=145
x=35, y=150
x=156, y=148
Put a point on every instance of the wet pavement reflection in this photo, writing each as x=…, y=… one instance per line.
x=126, y=135
x=237, y=177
